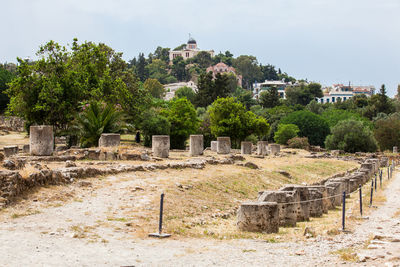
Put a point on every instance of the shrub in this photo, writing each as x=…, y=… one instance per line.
x=351, y=136
x=154, y=124
x=298, y=142
x=186, y=92
x=311, y=125
x=285, y=132
x=387, y=131
x=96, y=119
x=333, y=116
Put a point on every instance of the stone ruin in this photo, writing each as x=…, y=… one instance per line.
x=109, y=140
x=223, y=145
x=246, y=148
x=262, y=148
x=196, y=145
x=295, y=203
x=160, y=146
x=41, y=139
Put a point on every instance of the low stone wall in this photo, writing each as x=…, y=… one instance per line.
x=297, y=203
x=12, y=123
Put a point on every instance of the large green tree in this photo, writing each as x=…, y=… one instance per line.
x=5, y=77
x=311, y=125
x=154, y=87
x=209, y=89
x=269, y=98
x=387, y=131
x=230, y=118
x=303, y=94
x=248, y=67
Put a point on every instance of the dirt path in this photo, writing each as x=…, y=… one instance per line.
x=87, y=232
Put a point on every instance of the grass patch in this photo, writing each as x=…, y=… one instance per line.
x=27, y=213
x=346, y=254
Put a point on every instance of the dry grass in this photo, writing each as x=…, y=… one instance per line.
x=14, y=138
x=27, y=170
x=347, y=254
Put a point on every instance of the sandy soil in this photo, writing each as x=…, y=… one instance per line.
x=89, y=226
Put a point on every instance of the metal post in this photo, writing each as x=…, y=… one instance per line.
x=160, y=234
x=343, y=210
x=372, y=193
x=375, y=182
x=161, y=213
x=380, y=179
x=360, y=187
x=388, y=170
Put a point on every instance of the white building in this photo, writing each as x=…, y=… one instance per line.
x=189, y=51
x=260, y=87
x=340, y=92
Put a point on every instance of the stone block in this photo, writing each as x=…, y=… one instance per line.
x=93, y=154
x=26, y=149
x=334, y=191
x=223, y=145
x=196, y=145
x=287, y=205
x=214, y=145
x=160, y=146
x=262, y=148
x=109, y=140
x=245, y=148
x=41, y=140
x=301, y=194
x=10, y=151
x=274, y=149
x=326, y=203
x=395, y=149
x=259, y=217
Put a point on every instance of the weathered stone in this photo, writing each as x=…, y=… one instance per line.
x=223, y=145
x=196, y=143
x=130, y=156
x=109, y=140
x=286, y=204
x=395, y=149
x=10, y=151
x=214, y=145
x=26, y=149
x=301, y=196
x=41, y=140
x=61, y=148
x=93, y=154
x=251, y=165
x=245, y=148
x=69, y=163
x=262, y=148
x=1, y=156
x=259, y=217
x=160, y=146
x=274, y=148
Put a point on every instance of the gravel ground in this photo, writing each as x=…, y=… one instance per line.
x=44, y=239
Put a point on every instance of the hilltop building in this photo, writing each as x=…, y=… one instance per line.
x=189, y=51
x=223, y=68
x=340, y=92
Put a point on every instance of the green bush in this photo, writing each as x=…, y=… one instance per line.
x=154, y=124
x=298, y=142
x=182, y=116
x=387, y=131
x=351, y=136
x=333, y=116
x=311, y=125
x=285, y=132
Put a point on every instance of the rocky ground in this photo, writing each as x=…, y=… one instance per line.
x=91, y=231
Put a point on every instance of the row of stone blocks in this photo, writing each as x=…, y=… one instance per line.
x=223, y=146
x=295, y=203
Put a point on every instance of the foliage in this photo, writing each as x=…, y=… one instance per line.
x=333, y=116
x=311, y=125
x=387, y=131
x=245, y=97
x=203, y=58
x=378, y=103
x=226, y=58
x=303, y=94
x=248, y=67
x=154, y=87
x=5, y=77
x=179, y=69
x=95, y=119
x=351, y=136
x=50, y=90
x=269, y=73
x=182, y=116
x=269, y=98
x=154, y=124
x=210, y=89
x=158, y=69
x=186, y=92
x=315, y=107
x=298, y=142
x=140, y=68
x=285, y=132
x=230, y=118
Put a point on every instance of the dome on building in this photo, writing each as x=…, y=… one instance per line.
x=191, y=41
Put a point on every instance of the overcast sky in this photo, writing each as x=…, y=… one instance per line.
x=328, y=41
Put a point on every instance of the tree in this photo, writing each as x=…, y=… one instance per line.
x=285, y=132
x=5, y=77
x=186, y=92
x=203, y=58
x=303, y=94
x=334, y=116
x=210, y=89
x=157, y=69
x=387, y=131
x=182, y=116
x=162, y=54
x=230, y=118
x=245, y=97
x=351, y=136
x=51, y=90
x=248, y=67
x=154, y=124
x=154, y=87
x=269, y=73
x=179, y=68
x=269, y=98
x=97, y=118
x=141, y=70
x=315, y=107
x=311, y=125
